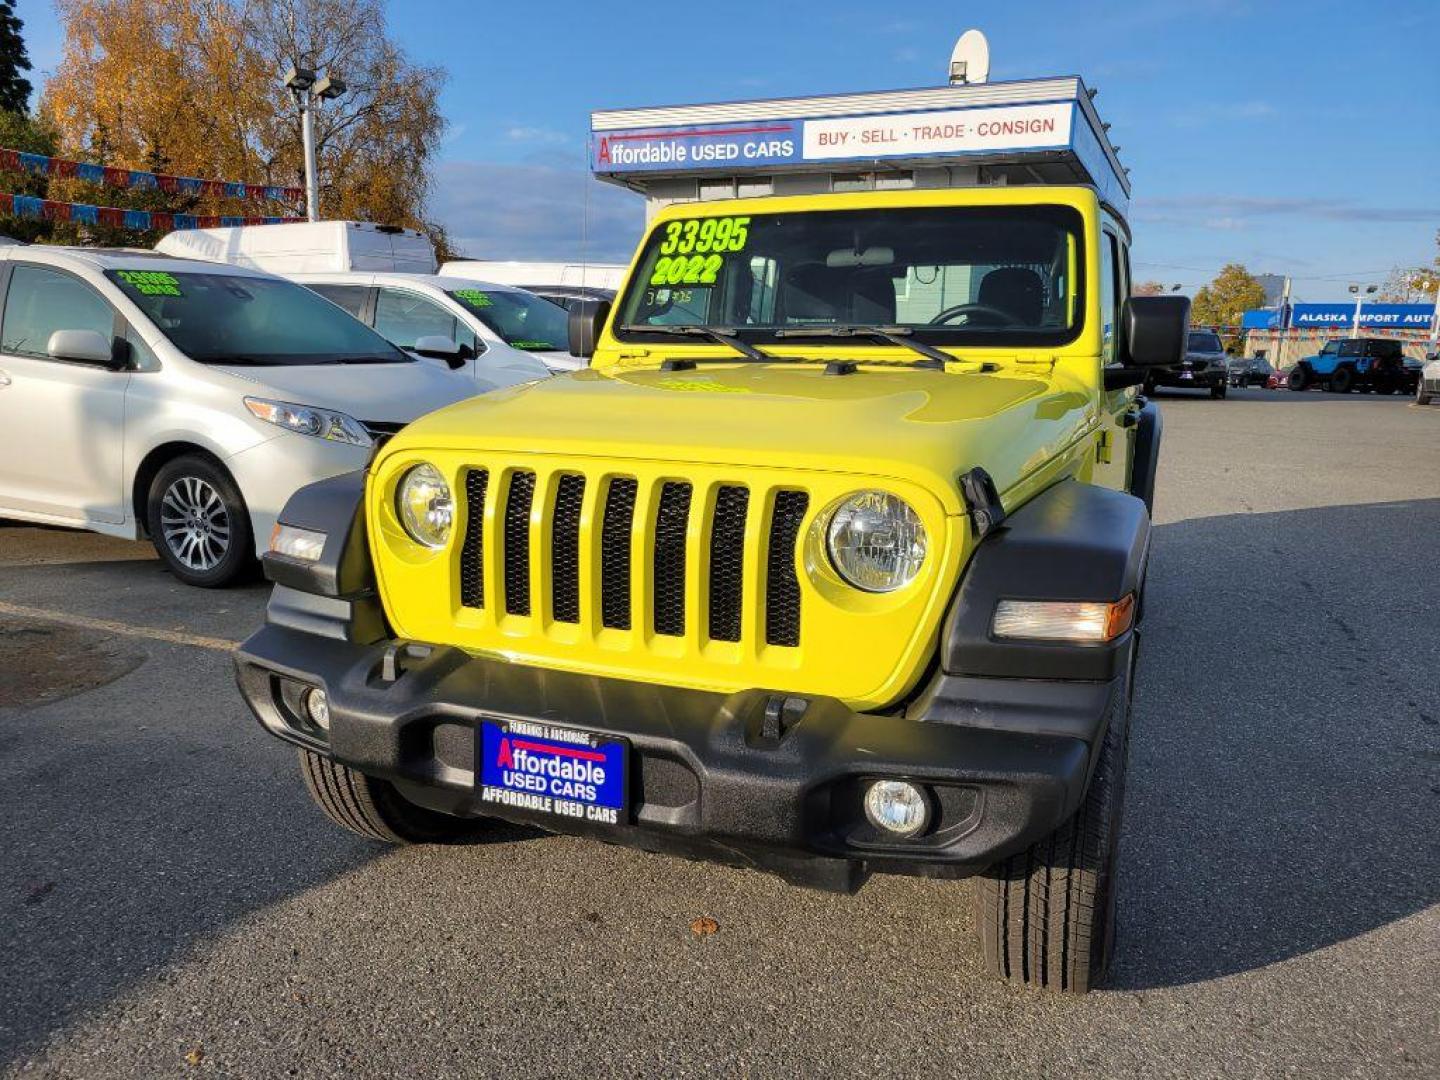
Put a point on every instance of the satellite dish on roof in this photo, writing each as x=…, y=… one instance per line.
x=970, y=61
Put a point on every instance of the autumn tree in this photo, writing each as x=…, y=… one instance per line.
x=1221, y=303
x=14, y=61
x=1413, y=283
x=1149, y=288
x=193, y=87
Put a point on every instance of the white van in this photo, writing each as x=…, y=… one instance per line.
x=501, y=337
x=301, y=247
x=538, y=275
x=185, y=401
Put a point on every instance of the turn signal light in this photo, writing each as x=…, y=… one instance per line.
x=297, y=543
x=1082, y=622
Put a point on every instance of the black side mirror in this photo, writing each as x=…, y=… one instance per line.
x=587, y=319
x=1153, y=330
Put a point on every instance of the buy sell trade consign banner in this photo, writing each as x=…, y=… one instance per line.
x=768, y=143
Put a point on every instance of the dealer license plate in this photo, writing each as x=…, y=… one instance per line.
x=551, y=770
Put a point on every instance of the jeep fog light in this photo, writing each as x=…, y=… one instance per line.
x=896, y=807
x=296, y=543
x=317, y=707
x=1055, y=620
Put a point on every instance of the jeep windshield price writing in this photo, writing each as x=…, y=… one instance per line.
x=693, y=251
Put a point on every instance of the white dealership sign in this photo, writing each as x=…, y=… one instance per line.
x=1030, y=127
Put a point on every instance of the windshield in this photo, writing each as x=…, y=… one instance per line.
x=954, y=275
x=234, y=320
x=1204, y=343
x=523, y=320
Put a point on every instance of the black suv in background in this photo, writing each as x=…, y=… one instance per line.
x=1204, y=366
x=1250, y=371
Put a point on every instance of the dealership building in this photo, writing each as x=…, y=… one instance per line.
x=1284, y=334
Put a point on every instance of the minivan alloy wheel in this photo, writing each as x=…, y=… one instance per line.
x=195, y=523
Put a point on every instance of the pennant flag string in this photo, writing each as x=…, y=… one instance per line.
x=32, y=206
x=43, y=165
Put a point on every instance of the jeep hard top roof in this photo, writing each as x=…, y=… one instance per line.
x=1034, y=131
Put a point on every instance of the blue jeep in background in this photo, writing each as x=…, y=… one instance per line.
x=1374, y=364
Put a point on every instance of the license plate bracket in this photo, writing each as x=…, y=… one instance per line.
x=552, y=770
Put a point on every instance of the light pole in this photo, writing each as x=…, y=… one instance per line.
x=1359, y=303
x=1427, y=283
x=308, y=91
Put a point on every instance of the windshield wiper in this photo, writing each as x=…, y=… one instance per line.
x=894, y=335
x=725, y=335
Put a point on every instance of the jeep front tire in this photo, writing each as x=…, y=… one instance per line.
x=372, y=808
x=1046, y=917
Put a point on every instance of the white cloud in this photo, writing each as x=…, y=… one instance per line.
x=540, y=135
x=535, y=211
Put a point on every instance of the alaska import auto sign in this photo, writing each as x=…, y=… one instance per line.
x=767, y=143
x=1393, y=316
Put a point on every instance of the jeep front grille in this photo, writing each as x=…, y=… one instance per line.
x=692, y=539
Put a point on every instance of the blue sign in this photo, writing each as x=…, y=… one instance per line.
x=552, y=770
x=1381, y=316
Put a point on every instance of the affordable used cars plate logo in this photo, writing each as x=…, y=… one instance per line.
x=552, y=770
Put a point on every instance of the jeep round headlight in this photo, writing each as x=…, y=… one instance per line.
x=876, y=541
x=424, y=506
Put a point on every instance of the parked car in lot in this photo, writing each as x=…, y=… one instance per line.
x=499, y=335
x=1277, y=380
x=1427, y=387
x=184, y=401
x=569, y=296
x=1250, y=371
x=1376, y=364
x=1203, y=367
x=386, y=278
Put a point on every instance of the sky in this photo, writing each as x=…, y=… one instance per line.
x=1295, y=138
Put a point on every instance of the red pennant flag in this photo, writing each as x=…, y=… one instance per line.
x=55, y=211
x=10, y=160
x=168, y=183
x=162, y=221
x=67, y=170
x=112, y=215
x=117, y=177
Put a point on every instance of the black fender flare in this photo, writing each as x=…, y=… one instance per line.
x=1146, y=461
x=1073, y=541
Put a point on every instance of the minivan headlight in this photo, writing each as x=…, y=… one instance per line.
x=876, y=541
x=309, y=420
x=424, y=506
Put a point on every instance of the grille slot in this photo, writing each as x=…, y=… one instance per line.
x=517, y=543
x=565, y=549
x=472, y=550
x=782, y=588
x=672, y=517
x=727, y=562
x=615, y=528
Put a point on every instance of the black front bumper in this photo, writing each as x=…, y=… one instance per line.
x=751, y=779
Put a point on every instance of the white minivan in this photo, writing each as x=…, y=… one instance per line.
x=493, y=332
x=385, y=276
x=184, y=401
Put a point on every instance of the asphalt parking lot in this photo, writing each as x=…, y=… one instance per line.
x=172, y=904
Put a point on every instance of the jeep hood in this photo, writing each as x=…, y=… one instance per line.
x=925, y=426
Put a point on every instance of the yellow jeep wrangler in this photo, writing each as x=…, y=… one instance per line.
x=830, y=563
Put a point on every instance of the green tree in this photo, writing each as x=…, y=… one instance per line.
x=14, y=87
x=1221, y=303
